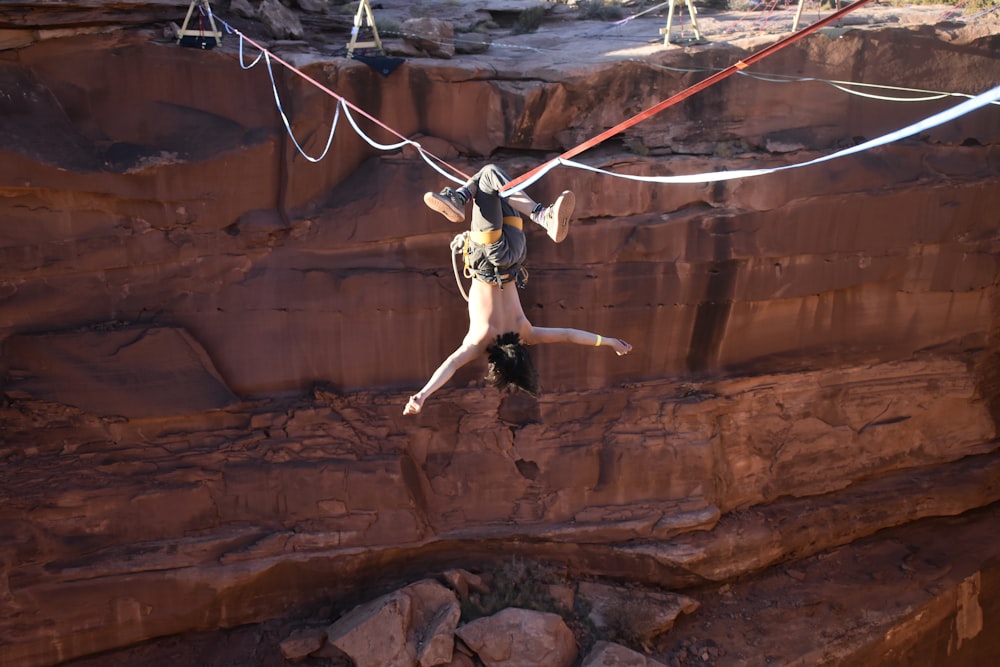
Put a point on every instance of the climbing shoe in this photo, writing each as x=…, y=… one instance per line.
x=555, y=218
x=449, y=203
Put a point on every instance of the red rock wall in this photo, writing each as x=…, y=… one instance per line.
x=209, y=229
x=817, y=345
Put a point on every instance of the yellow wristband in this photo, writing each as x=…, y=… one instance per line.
x=598, y=343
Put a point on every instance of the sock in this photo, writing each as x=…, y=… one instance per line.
x=464, y=193
x=537, y=212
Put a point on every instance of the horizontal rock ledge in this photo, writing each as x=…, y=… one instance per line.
x=272, y=580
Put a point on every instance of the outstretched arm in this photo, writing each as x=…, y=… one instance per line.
x=456, y=360
x=577, y=337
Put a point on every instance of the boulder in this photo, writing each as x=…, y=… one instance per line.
x=281, y=22
x=518, y=637
x=313, y=6
x=243, y=8
x=472, y=43
x=608, y=654
x=435, y=616
x=644, y=612
x=462, y=582
x=301, y=643
x=411, y=627
x=434, y=37
x=461, y=660
x=374, y=634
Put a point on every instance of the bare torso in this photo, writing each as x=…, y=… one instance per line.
x=494, y=311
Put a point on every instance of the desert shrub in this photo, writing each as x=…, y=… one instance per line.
x=722, y=4
x=529, y=20
x=600, y=10
x=518, y=583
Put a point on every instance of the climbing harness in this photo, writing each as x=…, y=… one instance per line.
x=493, y=274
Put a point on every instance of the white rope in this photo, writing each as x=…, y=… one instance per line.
x=886, y=98
x=288, y=126
x=845, y=86
x=391, y=147
x=340, y=105
x=242, y=60
x=457, y=248
x=372, y=142
x=435, y=166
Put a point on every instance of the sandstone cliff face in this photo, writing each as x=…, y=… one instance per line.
x=207, y=340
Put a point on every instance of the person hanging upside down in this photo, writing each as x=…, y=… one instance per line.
x=495, y=256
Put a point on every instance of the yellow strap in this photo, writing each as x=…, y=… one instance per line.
x=492, y=236
x=486, y=238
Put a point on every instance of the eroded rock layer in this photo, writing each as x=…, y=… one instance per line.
x=207, y=341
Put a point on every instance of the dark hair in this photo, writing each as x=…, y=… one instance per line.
x=510, y=365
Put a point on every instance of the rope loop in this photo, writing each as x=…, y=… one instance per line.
x=460, y=246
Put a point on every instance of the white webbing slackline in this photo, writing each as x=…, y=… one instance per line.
x=989, y=97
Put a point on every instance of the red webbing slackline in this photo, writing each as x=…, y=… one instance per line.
x=688, y=92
